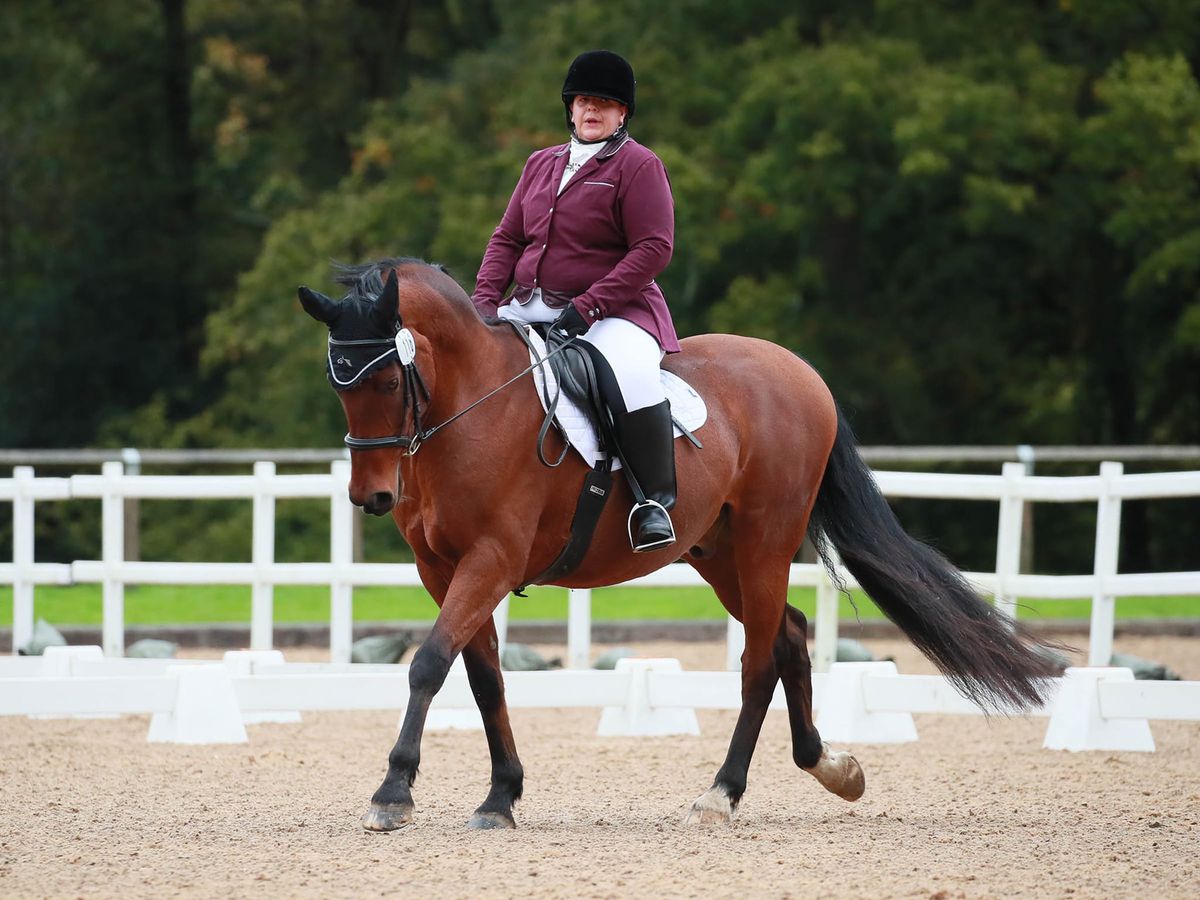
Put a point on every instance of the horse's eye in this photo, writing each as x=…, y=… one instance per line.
x=392, y=386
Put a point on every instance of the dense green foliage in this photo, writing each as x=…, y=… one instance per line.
x=980, y=220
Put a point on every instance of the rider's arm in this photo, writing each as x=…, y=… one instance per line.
x=503, y=250
x=648, y=220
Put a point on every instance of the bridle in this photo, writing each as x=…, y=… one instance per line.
x=414, y=386
x=405, y=348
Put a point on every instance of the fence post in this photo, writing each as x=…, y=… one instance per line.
x=1008, y=538
x=262, y=597
x=1108, y=540
x=341, y=555
x=132, y=458
x=23, y=556
x=825, y=624
x=1027, y=455
x=735, y=643
x=579, y=627
x=112, y=514
x=500, y=620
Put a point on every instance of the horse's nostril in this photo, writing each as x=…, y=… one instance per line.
x=379, y=503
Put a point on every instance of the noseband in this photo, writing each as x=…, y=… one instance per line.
x=405, y=349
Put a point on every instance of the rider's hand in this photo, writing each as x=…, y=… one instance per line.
x=569, y=324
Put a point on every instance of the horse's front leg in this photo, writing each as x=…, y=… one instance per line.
x=476, y=589
x=482, y=657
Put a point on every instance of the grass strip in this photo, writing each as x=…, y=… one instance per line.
x=178, y=605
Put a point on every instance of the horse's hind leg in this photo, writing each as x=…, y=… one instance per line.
x=838, y=772
x=757, y=599
x=482, y=658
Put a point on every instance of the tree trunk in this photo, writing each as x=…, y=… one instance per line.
x=177, y=81
x=182, y=225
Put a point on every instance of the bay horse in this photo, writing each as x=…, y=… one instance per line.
x=482, y=517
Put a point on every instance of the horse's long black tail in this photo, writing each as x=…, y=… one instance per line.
x=920, y=590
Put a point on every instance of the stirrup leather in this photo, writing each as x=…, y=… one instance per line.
x=665, y=542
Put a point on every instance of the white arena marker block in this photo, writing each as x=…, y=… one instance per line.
x=843, y=714
x=242, y=663
x=1076, y=722
x=453, y=720
x=206, y=709
x=637, y=718
x=59, y=662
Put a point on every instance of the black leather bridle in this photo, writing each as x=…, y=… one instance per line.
x=414, y=387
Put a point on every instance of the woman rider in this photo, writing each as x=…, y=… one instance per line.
x=589, y=227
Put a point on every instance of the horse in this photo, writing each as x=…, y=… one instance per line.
x=778, y=462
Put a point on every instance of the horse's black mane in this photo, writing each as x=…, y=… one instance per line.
x=365, y=280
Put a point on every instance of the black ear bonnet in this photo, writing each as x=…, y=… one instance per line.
x=364, y=331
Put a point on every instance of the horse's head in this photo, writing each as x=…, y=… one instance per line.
x=370, y=366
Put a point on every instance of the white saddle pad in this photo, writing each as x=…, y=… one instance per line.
x=686, y=405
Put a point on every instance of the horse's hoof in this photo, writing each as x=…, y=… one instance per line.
x=840, y=773
x=485, y=821
x=386, y=818
x=713, y=807
x=855, y=783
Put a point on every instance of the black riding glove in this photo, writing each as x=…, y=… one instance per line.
x=568, y=325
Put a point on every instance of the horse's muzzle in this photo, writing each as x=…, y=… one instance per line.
x=379, y=503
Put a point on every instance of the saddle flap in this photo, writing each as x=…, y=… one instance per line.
x=687, y=406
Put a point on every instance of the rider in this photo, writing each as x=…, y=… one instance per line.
x=589, y=226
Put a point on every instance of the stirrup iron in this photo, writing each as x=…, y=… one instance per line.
x=658, y=544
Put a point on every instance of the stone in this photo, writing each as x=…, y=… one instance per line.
x=151, y=648
x=1143, y=669
x=44, y=635
x=381, y=648
x=523, y=658
x=607, y=661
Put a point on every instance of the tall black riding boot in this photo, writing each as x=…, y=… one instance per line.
x=647, y=442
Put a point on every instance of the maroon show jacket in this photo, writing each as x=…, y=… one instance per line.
x=599, y=244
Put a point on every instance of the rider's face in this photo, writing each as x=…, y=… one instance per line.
x=596, y=117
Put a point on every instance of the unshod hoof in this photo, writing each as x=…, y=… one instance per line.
x=711, y=808
x=386, y=818
x=840, y=773
x=855, y=783
x=485, y=821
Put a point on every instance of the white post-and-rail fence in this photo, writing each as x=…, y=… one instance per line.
x=199, y=702
x=1012, y=489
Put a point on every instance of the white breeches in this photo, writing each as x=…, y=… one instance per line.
x=632, y=352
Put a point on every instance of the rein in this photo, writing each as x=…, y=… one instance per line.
x=412, y=382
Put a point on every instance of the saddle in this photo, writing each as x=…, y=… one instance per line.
x=580, y=373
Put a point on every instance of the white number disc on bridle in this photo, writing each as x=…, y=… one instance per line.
x=406, y=347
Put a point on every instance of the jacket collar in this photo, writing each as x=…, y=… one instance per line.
x=613, y=145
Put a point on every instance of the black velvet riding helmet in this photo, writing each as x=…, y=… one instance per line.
x=600, y=73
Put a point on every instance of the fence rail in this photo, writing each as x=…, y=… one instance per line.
x=991, y=453
x=1012, y=489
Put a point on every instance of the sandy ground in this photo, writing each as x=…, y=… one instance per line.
x=975, y=808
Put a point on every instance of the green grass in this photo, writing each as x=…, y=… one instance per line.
x=172, y=605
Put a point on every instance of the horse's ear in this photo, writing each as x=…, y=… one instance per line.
x=322, y=308
x=387, y=304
